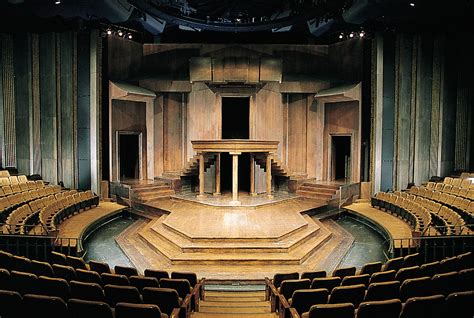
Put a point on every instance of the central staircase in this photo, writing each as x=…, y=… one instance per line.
x=234, y=302
x=326, y=192
x=149, y=192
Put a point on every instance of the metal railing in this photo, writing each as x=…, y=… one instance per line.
x=431, y=248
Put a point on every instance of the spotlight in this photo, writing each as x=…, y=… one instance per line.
x=130, y=36
x=412, y=4
x=120, y=33
x=341, y=36
x=109, y=32
x=57, y=2
x=361, y=34
x=351, y=35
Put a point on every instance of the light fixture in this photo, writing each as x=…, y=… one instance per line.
x=361, y=34
x=109, y=32
x=351, y=35
x=120, y=33
x=57, y=2
x=129, y=36
x=341, y=36
x=412, y=4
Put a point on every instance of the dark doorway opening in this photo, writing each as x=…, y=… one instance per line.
x=129, y=156
x=235, y=117
x=341, y=157
x=244, y=172
x=235, y=125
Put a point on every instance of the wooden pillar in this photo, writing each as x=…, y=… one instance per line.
x=201, y=175
x=218, y=174
x=269, y=175
x=252, y=175
x=235, y=179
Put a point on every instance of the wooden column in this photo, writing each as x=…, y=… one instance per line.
x=269, y=175
x=218, y=174
x=252, y=175
x=235, y=178
x=201, y=175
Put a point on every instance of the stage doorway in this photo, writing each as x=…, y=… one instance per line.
x=341, y=157
x=235, y=125
x=129, y=158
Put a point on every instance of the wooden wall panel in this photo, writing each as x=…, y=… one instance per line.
x=342, y=119
x=23, y=105
x=158, y=135
x=315, y=139
x=8, y=86
x=204, y=116
x=124, y=58
x=67, y=108
x=48, y=105
x=423, y=110
x=403, y=95
x=297, y=133
x=173, y=132
x=129, y=116
x=267, y=122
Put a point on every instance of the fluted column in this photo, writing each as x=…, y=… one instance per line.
x=269, y=175
x=235, y=179
x=252, y=175
x=218, y=174
x=201, y=175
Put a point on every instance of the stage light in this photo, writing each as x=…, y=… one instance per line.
x=120, y=33
x=351, y=35
x=57, y=2
x=130, y=36
x=412, y=4
x=341, y=36
x=361, y=34
x=109, y=32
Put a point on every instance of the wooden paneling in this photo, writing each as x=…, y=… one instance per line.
x=271, y=70
x=124, y=58
x=200, y=69
x=8, y=86
x=267, y=122
x=172, y=132
x=297, y=133
x=128, y=116
x=204, y=115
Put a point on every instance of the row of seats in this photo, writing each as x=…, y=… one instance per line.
x=4, y=173
x=11, y=202
x=421, y=212
x=9, y=189
x=398, y=279
x=96, y=281
x=457, y=305
x=463, y=181
x=13, y=305
x=13, y=180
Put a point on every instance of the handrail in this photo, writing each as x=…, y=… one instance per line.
x=278, y=302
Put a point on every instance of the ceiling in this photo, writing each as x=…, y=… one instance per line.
x=293, y=21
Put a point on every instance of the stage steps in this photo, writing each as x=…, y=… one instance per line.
x=151, y=191
x=324, y=192
x=227, y=303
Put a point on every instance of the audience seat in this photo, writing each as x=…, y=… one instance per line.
x=429, y=269
x=57, y=287
x=371, y=268
x=59, y=258
x=180, y=285
x=279, y=277
x=356, y=279
x=10, y=304
x=165, y=298
x=288, y=286
x=353, y=294
x=77, y=262
x=416, y=287
x=465, y=279
x=6, y=260
x=191, y=277
x=446, y=283
x=382, y=291
x=99, y=267
x=303, y=299
x=389, y=308
x=344, y=310
x=63, y=271
x=24, y=283
x=380, y=277
x=460, y=304
x=22, y=264
x=423, y=307
x=79, y=308
x=393, y=264
x=407, y=272
x=141, y=282
x=115, y=294
x=344, y=271
x=158, y=274
x=41, y=268
x=50, y=306
x=114, y=279
x=128, y=310
x=411, y=260
x=88, y=276
x=313, y=275
x=326, y=282
x=5, y=280
x=86, y=291
x=125, y=270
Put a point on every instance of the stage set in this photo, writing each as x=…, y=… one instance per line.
x=226, y=151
